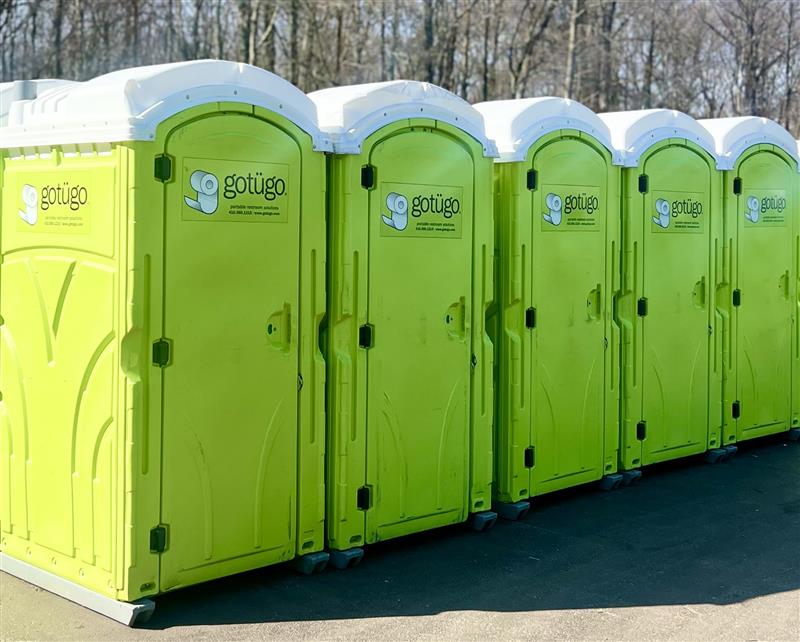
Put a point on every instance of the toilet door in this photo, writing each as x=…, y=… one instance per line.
x=674, y=311
x=419, y=307
x=230, y=312
x=568, y=289
x=763, y=317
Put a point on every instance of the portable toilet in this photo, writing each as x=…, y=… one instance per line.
x=761, y=350
x=671, y=266
x=161, y=286
x=558, y=234
x=410, y=281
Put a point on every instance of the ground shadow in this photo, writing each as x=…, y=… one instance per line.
x=687, y=533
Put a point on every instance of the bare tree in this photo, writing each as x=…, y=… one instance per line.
x=710, y=59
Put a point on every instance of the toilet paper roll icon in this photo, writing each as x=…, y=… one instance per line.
x=31, y=199
x=553, y=202
x=753, y=209
x=662, y=207
x=207, y=187
x=397, y=204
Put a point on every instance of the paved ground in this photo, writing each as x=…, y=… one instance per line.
x=691, y=552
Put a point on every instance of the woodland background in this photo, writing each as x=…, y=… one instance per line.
x=707, y=58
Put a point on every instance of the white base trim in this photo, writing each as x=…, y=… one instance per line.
x=127, y=613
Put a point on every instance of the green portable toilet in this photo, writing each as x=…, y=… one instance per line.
x=410, y=280
x=671, y=235
x=557, y=238
x=161, y=286
x=760, y=261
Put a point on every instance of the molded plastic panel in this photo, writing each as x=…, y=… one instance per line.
x=63, y=432
x=418, y=372
x=574, y=240
x=230, y=392
x=760, y=226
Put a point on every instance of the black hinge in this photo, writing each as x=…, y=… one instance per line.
x=161, y=353
x=158, y=539
x=530, y=457
x=737, y=185
x=365, y=336
x=641, y=430
x=641, y=307
x=530, y=318
x=737, y=297
x=368, y=176
x=363, y=498
x=643, y=184
x=162, y=168
x=531, y=179
x=736, y=409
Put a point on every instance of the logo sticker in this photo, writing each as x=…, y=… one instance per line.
x=56, y=202
x=765, y=208
x=570, y=207
x=678, y=212
x=222, y=190
x=431, y=211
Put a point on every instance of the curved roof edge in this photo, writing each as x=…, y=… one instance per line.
x=129, y=104
x=733, y=136
x=634, y=132
x=515, y=125
x=352, y=113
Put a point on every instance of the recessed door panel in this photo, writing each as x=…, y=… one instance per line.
x=568, y=282
x=231, y=310
x=418, y=368
x=677, y=289
x=763, y=276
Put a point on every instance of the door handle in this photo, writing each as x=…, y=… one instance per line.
x=455, y=318
x=699, y=293
x=594, y=303
x=279, y=328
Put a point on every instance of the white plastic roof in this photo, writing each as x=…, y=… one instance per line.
x=11, y=92
x=733, y=136
x=515, y=125
x=351, y=114
x=130, y=104
x=633, y=132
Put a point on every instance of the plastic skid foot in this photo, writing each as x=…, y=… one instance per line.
x=482, y=521
x=718, y=455
x=731, y=450
x=612, y=482
x=793, y=434
x=312, y=563
x=347, y=558
x=512, y=512
x=631, y=477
